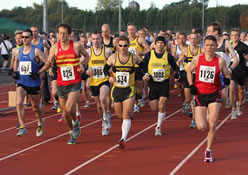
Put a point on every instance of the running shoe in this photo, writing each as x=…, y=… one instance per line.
x=40, y=129
x=141, y=102
x=122, y=144
x=61, y=119
x=186, y=108
x=158, y=131
x=59, y=109
x=239, y=109
x=107, y=120
x=78, y=116
x=71, y=140
x=136, y=108
x=192, y=124
x=234, y=115
x=190, y=114
x=105, y=132
x=22, y=131
x=18, y=126
x=87, y=105
x=208, y=156
x=132, y=116
x=76, y=131
x=55, y=106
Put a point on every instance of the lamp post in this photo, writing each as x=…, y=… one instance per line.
x=45, y=14
x=119, y=16
x=62, y=11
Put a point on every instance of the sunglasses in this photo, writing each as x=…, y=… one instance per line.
x=123, y=45
x=26, y=37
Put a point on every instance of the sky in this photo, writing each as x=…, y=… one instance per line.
x=91, y=4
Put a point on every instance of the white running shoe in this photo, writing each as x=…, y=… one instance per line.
x=234, y=115
x=158, y=131
x=40, y=129
x=239, y=109
x=136, y=108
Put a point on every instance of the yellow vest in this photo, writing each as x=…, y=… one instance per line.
x=190, y=56
x=134, y=45
x=159, y=68
x=124, y=72
x=96, y=64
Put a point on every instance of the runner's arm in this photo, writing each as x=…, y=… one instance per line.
x=50, y=59
x=191, y=68
x=234, y=55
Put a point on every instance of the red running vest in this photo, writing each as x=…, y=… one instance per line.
x=207, y=75
x=67, y=62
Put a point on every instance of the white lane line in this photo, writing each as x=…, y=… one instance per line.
x=6, y=84
x=115, y=146
x=46, y=141
x=196, y=149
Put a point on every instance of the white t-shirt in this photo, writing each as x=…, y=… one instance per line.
x=3, y=49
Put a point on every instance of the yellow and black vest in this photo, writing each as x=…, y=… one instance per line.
x=124, y=72
x=190, y=56
x=159, y=68
x=96, y=64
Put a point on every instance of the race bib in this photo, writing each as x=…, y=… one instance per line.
x=122, y=79
x=132, y=50
x=25, y=67
x=158, y=75
x=98, y=72
x=207, y=74
x=67, y=73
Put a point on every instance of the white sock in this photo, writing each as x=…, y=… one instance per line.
x=161, y=116
x=77, y=113
x=126, y=125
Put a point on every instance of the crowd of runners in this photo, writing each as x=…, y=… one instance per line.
x=210, y=71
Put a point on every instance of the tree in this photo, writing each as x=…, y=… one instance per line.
x=107, y=4
x=244, y=19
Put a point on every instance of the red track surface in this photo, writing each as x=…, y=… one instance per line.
x=145, y=154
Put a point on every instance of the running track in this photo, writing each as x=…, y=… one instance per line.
x=178, y=151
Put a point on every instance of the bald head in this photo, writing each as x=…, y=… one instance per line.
x=106, y=31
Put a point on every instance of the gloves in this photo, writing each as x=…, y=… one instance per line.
x=176, y=76
x=15, y=75
x=226, y=81
x=34, y=75
x=193, y=89
x=10, y=72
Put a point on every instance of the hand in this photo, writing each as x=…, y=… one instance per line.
x=34, y=75
x=226, y=81
x=10, y=72
x=51, y=73
x=146, y=77
x=89, y=72
x=15, y=75
x=176, y=75
x=81, y=68
x=193, y=89
x=111, y=80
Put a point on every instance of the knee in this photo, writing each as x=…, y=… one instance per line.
x=201, y=127
x=35, y=108
x=19, y=104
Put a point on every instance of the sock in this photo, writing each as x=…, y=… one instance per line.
x=77, y=113
x=161, y=116
x=208, y=149
x=126, y=125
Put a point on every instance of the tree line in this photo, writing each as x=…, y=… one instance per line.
x=178, y=16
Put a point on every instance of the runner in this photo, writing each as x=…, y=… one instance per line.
x=66, y=54
x=158, y=63
x=123, y=79
x=138, y=46
x=26, y=69
x=5, y=48
x=176, y=52
x=193, y=49
x=238, y=74
x=223, y=49
x=206, y=89
x=19, y=44
x=84, y=76
x=99, y=83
